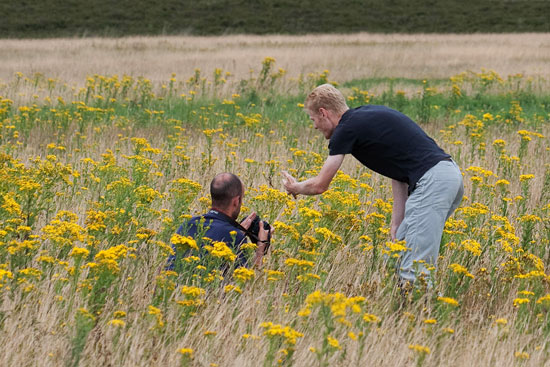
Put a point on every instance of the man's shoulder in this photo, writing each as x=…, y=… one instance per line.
x=220, y=226
x=367, y=111
x=214, y=226
x=197, y=219
x=359, y=118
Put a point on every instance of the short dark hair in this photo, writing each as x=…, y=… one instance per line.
x=224, y=187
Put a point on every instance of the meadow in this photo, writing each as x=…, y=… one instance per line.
x=97, y=176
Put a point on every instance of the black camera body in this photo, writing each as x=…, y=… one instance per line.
x=255, y=229
x=253, y=232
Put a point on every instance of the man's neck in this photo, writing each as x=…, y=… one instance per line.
x=224, y=211
x=338, y=117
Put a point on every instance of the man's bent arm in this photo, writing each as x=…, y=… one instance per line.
x=318, y=184
x=399, y=191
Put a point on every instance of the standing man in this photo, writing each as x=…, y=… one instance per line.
x=426, y=183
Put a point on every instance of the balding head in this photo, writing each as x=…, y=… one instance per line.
x=223, y=188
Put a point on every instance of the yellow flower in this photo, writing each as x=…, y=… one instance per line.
x=395, y=249
x=114, y=252
x=488, y=116
x=117, y=323
x=154, y=311
x=186, y=352
x=502, y=182
x=79, y=252
x=430, y=321
x=522, y=355
x=303, y=264
x=86, y=314
x=328, y=235
x=5, y=274
x=250, y=336
x=476, y=179
x=190, y=259
x=268, y=60
x=119, y=314
x=420, y=349
x=337, y=302
x=232, y=288
x=10, y=205
x=274, y=275
x=249, y=246
x=370, y=318
x=529, y=218
x=243, y=274
x=333, y=342
x=523, y=178
x=472, y=246
x=448, y=300
x=183, y=242
x=221, y=250
x=192, y=292
x=544, y=299
x=520, y=301
x=308, y=277
x=290, y=335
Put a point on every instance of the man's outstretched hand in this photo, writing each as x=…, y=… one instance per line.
x=290, y=184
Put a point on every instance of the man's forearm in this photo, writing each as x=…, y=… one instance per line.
x=399, y=191
x=318, y=184
x=310, y=186
x=258, y=256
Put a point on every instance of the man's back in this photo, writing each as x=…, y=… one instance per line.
x=386, y=141
x=217, y=227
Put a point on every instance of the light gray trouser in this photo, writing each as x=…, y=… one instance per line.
x=436, y=196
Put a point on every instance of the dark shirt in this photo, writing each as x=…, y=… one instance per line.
x=387, y=142
x=218, y=227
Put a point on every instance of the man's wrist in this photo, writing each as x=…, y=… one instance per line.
x=297, y=188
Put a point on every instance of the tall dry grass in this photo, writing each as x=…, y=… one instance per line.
x=346, y=56
x=38, y=325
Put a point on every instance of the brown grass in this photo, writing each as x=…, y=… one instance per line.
x=38, y=328
x=345, y=56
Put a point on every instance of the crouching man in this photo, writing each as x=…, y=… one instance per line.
x=219, y=223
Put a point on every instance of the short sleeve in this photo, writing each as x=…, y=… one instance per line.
x=342, y=140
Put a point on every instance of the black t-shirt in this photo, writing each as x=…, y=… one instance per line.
x=387, y=142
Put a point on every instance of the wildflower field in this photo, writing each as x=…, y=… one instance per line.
x=95, y=181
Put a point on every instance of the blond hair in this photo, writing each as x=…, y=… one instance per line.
x=325, y=96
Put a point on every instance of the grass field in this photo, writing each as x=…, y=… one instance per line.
x=347, y=57
x=98, y=171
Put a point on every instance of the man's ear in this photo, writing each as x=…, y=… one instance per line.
x=237, y=200
x=322, y=112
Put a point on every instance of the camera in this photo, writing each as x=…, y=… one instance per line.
x=255, y=229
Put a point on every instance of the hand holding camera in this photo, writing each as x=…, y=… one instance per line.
x=258, y=231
